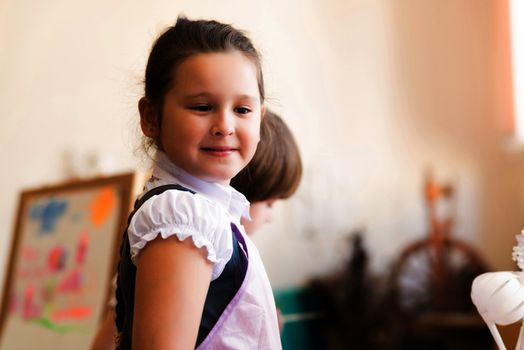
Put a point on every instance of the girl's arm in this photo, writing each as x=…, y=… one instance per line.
x=171, y=285
x=104, y=337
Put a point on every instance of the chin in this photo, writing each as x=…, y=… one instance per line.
x=224, y=180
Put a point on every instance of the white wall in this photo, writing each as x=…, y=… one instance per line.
x=406, y=85
x=375, y=91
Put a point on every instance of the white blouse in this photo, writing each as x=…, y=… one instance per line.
x=205, y=217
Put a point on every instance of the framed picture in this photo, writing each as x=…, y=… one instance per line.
x=63, y=257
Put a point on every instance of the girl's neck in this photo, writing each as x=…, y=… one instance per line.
x=163, y=161
x=165, y=172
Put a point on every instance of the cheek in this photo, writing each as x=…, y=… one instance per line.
x=250, y=137
x=185, y=134
x=256, y=133
x=269, y=215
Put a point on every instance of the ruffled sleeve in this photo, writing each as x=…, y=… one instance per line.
x=183, y=214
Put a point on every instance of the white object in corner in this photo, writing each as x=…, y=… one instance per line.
x=499, y=297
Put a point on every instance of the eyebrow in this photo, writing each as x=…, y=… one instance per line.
x=206, y=94
x=200, y=94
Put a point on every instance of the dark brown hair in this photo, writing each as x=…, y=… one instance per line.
x=173, y=46
x=276, y=168
x=183, y=40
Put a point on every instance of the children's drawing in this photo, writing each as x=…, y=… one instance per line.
x=62, y=261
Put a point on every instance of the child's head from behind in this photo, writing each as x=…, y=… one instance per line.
x=203, y=98
x=274, y=173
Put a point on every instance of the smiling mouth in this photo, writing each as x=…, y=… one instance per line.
x=219, y=151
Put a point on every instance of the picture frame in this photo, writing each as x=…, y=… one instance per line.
x=63, y=257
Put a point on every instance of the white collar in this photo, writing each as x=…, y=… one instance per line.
x=165, y=172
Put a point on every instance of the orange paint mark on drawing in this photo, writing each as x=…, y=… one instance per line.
x=75, y=312
x=102, y=206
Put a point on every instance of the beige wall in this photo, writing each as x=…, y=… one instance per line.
x=375, y=91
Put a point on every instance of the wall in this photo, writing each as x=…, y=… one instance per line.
x=412, y=86
x=375, y=92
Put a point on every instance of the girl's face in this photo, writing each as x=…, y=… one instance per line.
x=211, y=116
x=261, y=213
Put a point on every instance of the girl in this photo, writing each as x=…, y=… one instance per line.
x=273, y=173
x=188, y=274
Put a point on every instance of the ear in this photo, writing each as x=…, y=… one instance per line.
x=263, y=110
x=148, y=118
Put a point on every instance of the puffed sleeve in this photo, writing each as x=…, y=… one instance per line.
x=183, y=214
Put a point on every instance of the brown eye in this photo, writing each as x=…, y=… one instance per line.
x=242, y=110
x=200, y=108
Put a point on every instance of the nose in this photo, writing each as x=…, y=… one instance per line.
x=223, y=124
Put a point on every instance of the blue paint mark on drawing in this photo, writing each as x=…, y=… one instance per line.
x=48, y=214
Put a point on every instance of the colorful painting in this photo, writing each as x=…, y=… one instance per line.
x=63, y=258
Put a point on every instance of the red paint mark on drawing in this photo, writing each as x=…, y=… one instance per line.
x=102, y=206
x=28, y=301
x=81, y=249
x=28, y=253
x=31, y=310
x=75, y=312
x=31, y=272
x=71, y=282
x=56, y=259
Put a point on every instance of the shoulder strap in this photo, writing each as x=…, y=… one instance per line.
x=127, y=272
